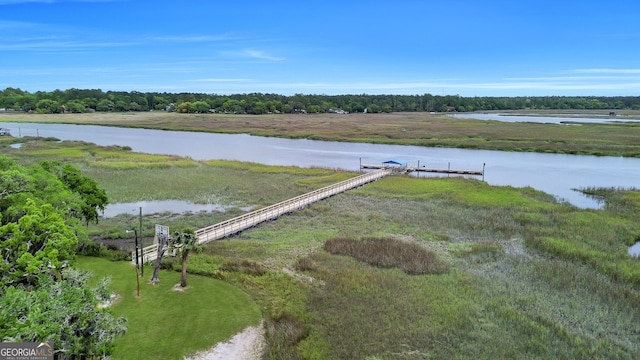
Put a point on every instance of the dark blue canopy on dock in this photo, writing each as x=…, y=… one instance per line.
x=395, y=162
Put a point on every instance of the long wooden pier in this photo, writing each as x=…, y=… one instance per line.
x=253, y=218
x=250, y=219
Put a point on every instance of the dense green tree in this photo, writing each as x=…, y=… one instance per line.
x=9, y=97
x=89, y=103
x=41, y=297
x=12, y=182
x=258, y=103
x=184, y=107
x=160, y=102
x=121, y=105
x=105, y=105
x=200, y=107
x=47, y=106
x=134, y=106
x=26, y=102
x=257, y=108
x=233, y=106
x=38, y=245
x=93, y=197
x=46, y=187
x=66, y=312
x=75, y=106
x=374, y=108
x=315, y=109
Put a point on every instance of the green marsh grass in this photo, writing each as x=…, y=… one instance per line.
x=499, y=289
x=206, y=183
x=528, y=277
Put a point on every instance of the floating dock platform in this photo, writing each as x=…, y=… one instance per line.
x=409, y=169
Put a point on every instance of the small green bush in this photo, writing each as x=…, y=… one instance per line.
x=90, y=248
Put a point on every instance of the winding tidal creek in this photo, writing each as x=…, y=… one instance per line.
x=556, y=174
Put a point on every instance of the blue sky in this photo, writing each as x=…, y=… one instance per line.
x=464, y=47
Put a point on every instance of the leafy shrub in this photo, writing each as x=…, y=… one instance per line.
x=117, y=255
x=91, y=248
x=168, y=263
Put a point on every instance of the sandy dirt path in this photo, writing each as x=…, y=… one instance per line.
x=246, y=345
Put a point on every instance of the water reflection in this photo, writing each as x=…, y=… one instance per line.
x=163, y=206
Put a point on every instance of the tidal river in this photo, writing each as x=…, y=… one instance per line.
x=552, y=173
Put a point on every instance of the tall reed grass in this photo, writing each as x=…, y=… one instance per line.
x=410, y=257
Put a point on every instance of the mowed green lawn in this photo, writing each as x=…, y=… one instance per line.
x=168, y=324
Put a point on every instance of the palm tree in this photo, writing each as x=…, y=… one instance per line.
x=184, y=242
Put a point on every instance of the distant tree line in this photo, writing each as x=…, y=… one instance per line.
x=90, y=100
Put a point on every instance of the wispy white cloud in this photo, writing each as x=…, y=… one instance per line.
x=196, y=38
x=257, y=54
x=10, y=25
x=220, y=80
x=39, y=36
x=14, y=2
x=550, y=86
x=450, y=86
x=60, y=45
x=252, y=54
x=572, y=78
x=129, y=70
x=606, y=71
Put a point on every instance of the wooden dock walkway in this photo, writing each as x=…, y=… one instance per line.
x=250, y=219
x=242, y=222
x=253, y=218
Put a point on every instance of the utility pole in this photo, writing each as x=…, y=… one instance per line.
x=135, y=232
x=142, y=254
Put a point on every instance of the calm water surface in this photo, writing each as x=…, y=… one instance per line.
x=542, y=119
x=635, y=250
x=160, y=206
x=556, y=174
